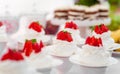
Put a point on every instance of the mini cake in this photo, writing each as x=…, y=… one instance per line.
x=3, y=35
x=103, y=11
x=13, y=62
x=35, y=31
x=36, y=56
x=93, y=54
x=63, y=45
x=61, y=13
x=91, y=13
x=75, y=33
x=76, y=12
x=103, y=32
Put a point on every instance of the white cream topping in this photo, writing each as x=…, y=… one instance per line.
x=13, y=67
x=80, y=7
x=91, y=9
x=61, y=14
x=94, y=55
x=103, y=13
x=3, y=35
x=75, y=35
x=72, y=17
x=63, y=48
x=33, y=34
x=76, y=13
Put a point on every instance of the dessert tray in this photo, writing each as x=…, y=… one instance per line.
x=82, y=22
x=75, y=59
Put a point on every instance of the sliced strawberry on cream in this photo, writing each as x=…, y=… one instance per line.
x=32, y=46
x=1, y=24
x=97, y=29
x=37, y=47
x=35, y=26
x=65, y=36
x=101, y=29
x=104, y=28
x=71, y=25
x=28, y=47
x=12, y=55
x=94, y=41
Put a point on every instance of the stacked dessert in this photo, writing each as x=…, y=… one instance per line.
x=37, y=57
x=63, y=47
x=91, y=13
x=103, y=11
x=63, y=40
x=76, y=12
x=61, y=13
x=83, y=12
x=103, y=32
x=93, y=58
x=34, y=31
x=75, y=33
x=16, y=62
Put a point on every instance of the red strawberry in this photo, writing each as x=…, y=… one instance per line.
x=35, y=26
x=97, y=30
x=1, y=24
x=71, y=25
x=64, y=35
x=37, y=47
x=103, y=28
x=28, y=47
x=94, y=41
x=12, y=55
x=41, y=44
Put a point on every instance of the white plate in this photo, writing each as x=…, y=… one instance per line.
x=46, y=62
x=114, y=46
x=75, y=59
x=61, y=52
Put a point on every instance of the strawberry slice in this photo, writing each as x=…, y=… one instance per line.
x=64, y=35
x=41, y=44
x=28, y=47
x=103, y=28
x=35, y=26
x=12, y=55
x=97, y=30
x=94, y=41
x=71, y=25
x=1, y=24
x=38, y=47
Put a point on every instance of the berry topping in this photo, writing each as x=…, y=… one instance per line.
x=100, y=29
x=1, y=24
x=64, y=35
x=35, y=26
x=94, y=41
x=12, y=55
x=71, y=25
x=32, y=45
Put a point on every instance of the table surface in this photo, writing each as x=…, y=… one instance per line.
x=113, y=69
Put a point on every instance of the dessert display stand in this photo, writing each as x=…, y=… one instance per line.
x=83, y=24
